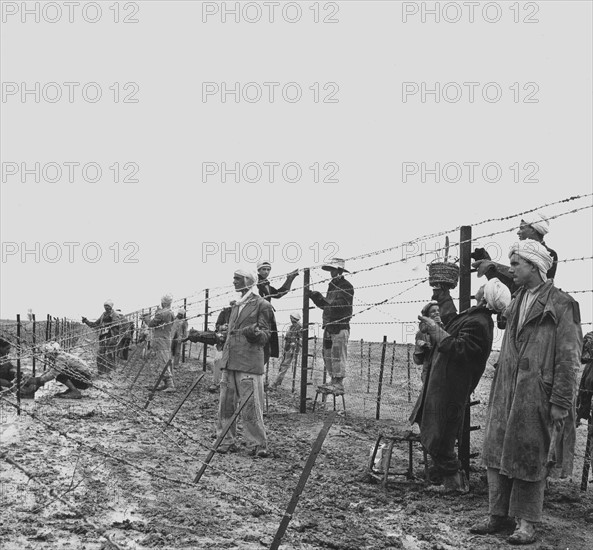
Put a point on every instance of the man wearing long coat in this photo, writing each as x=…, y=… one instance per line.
x=532, y=397
x=455, y=367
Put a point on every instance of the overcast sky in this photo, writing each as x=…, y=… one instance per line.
x=183, y=91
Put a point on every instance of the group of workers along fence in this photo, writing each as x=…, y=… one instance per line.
x=532, y=410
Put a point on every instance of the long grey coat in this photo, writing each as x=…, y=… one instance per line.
x=537, y=366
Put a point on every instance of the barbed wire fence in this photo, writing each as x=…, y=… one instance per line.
x=400, y=376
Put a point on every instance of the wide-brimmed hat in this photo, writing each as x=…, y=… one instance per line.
x=335, y=263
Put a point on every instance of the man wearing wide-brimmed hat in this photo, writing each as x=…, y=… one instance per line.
x=337, y=312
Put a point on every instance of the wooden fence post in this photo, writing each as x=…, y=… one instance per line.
x=392, y=364
x=205, y=358
x=34, y=342
x=380, y=387
x=305, y=341
x=18, y=364
x=369, y=371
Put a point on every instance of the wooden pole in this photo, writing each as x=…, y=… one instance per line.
x=221, y=437
x=302, y=482
x=34, y=342
x=18, y=364
x=465, y=249
x=392, y=364
x=184, y=320
x=191, y=389
x=361, y=356
x=369, y=371
x=153, y=390
x=205, y=358
x=588, y=453
x=380, y=387
x=409, y=375
x=57, y=336
x=305, y=340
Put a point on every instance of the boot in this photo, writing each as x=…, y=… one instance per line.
x=327, y=385
x=524, y=533
x=456, y=483
x=494, y=524
x=169, y=386
x=337, y=385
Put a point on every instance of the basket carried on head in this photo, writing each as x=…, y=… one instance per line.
x=443, y=272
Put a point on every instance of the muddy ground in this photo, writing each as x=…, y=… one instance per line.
x=132, y=480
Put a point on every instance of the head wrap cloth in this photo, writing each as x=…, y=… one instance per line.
x=538, y=222
x=535, y=253
x=497, y=295
x=248, y=274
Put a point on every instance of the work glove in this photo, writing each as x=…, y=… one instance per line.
x=252, y=333
x=482, y=266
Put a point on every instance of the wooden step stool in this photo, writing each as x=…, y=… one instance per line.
x=392, y=439
x=325, y=391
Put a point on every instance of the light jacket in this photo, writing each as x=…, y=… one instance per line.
x=242, y=351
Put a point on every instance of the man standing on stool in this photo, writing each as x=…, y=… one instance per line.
x=532, y=395
x=337, y=312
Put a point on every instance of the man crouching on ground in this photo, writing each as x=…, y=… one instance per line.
x=65, y=368
x=243, y=366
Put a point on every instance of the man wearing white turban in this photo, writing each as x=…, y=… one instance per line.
x=242, y=366
x=108, y=326
x=531, y=410
x=456, y=363
x=533, y=226
x=162, y=323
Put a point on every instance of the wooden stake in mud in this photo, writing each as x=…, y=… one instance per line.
x=380, y=387
x=221, y=437
x=153, y=390
x=191, y=389
x=302, y=481
x=34, y=341
x=588, y=454
x=392, y=364
x=138, y=373
x=18, y=364
x=205, y=358
x=47, y=335
x=305, y=341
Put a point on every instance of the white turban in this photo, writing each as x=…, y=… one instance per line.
x=296, y=316
x=534, y=252
x=166, y=299
x=497, y=295
x=51, y=347
x=108, y=303
x=249, y=275
x=538, y=222
x=263, y=264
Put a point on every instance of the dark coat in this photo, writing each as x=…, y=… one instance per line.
x=268, y=292
x=537, y=367
x=456, y=366
x=337, y=305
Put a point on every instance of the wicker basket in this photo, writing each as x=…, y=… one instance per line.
x=443, y=273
